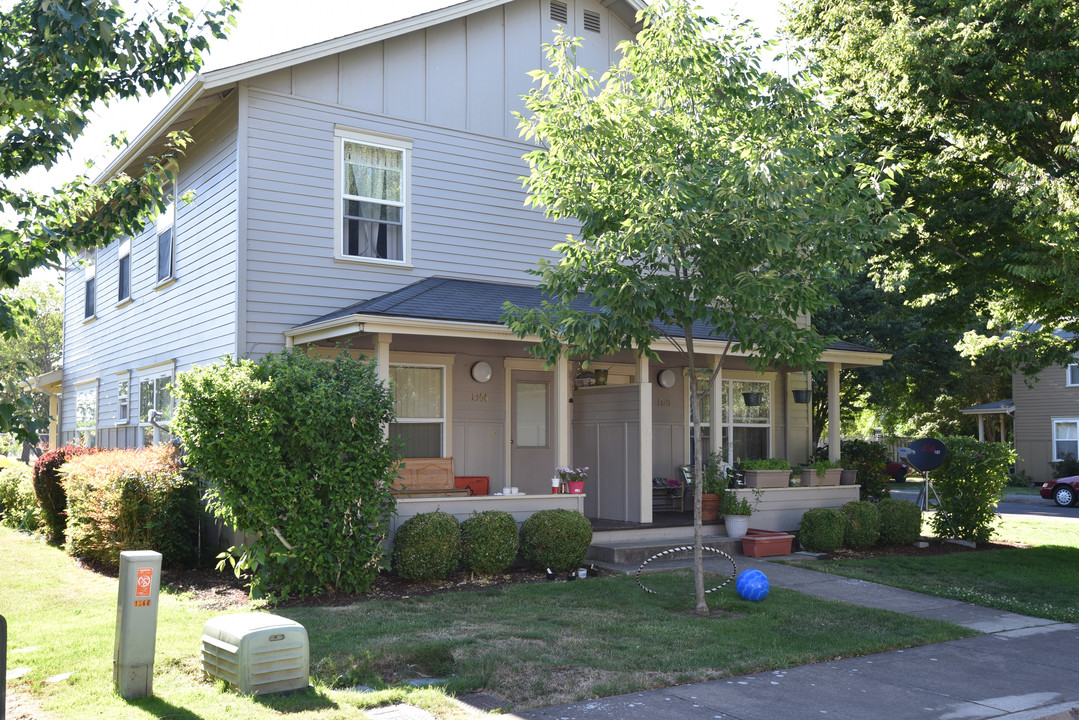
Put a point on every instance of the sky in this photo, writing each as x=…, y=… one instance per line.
x=266, y=27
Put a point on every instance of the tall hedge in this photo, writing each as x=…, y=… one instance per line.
x=18, y=504
x=131, y=500
x=969, y=483
x=293, y=450
x=50, y=490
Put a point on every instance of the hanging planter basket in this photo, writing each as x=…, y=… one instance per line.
x=802, y=396
x=753, y=399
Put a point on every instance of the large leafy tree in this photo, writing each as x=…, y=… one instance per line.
x=61, y=58
x=707, y=191
x=980, y=99
x=37, y=348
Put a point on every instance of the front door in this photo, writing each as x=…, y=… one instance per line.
x=532, y=454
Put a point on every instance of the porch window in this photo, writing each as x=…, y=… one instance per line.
x=1065, y=438
x=746, y=428
x=419, y=403
x=86, y=414
x=155, y=393
x=373, y=192
x=123, y=398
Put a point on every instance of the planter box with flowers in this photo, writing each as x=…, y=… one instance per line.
x=573, y=479
x=822, y=472
x=770, y=473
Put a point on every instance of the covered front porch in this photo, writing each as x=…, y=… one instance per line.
x=467, y=389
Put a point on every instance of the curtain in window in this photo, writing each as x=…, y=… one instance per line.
x=372, y=172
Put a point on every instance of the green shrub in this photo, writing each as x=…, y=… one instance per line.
x=489, y=541
x=131, y=500
x=769, y=464
x=427, y=546
x=900, y=522
x=969, y=483
x=1067, y=467
x=868, y=460
x=555, y=539
x=18, y=503
x=863, y=524
x=50, y=489
x=822, y=529
x=293, y=452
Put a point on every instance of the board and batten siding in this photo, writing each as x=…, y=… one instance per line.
x=1035, y=408
x=191, y=320
x=467, y=209
x=468, y=74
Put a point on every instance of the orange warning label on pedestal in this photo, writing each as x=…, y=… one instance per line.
x=142, y=585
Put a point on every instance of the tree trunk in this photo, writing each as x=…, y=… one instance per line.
x=698, y=479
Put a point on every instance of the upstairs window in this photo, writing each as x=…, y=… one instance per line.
x=1072, y=378
x=123, y=293
x=165, y=227
x=373, y=184
x=90, y=285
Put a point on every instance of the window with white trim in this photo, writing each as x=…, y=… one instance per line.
x=1072, y=376
x=123, y=293
x=706, y=422
x=155, y=393
x=419, y=400
x=123, y=398
x=165, y=229
x=90, y=287
x=746, y=428
x=1065, y=438
x=373, y=175
x=86, y=414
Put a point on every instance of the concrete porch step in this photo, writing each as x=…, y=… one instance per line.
x=610, y=553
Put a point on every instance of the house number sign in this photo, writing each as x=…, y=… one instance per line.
x=479, y=397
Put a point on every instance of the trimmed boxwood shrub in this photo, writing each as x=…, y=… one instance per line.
x=863, y=524
x=50, y=490
x=556, y=539
x=489, y=541
x=900, y=522
x=427, y=546
x=18, y=503
x=131, y=500
x=822, y=529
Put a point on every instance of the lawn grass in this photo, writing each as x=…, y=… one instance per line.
x=1041, y=580
x=532, y=645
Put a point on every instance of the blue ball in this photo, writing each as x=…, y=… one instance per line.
x=752, y=585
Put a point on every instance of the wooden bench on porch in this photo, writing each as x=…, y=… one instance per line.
x=425, y=477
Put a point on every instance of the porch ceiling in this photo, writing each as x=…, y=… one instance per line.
x=469, y=308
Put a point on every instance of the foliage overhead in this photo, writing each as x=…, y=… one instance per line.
x=980, y=100
x=61, y=59
x=712, y=197
x=294, y=453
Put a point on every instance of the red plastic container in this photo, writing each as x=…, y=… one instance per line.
x=766, y=543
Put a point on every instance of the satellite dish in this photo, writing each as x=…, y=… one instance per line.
x=927, y=454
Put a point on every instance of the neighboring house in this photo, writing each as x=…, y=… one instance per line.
x=365, y=193
x=1046, y=419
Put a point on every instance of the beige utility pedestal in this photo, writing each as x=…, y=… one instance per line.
x=136, y=623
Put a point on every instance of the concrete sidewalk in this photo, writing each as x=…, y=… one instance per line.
x=1020, y=667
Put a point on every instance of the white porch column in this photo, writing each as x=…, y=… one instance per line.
x=644, y=435
x=833, y=411
x=981, y=428
x=715, y=408
x=382, y=364
x=561, y=412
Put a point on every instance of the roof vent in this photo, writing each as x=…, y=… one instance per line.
x=559, y=11
x=591, y=21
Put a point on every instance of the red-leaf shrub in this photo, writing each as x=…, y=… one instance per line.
x=50, y=491
x=131, y=500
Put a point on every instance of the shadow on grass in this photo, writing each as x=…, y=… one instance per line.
x=306, y=700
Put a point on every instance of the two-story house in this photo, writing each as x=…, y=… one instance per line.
x=365, y=193
x=1046, y=419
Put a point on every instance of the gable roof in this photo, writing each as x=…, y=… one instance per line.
x=202, y=92
x=447, y=303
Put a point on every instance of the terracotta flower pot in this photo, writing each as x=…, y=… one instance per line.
x=709, y=507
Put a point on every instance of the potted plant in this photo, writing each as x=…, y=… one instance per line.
x=736, y=511
x=822, y=472
x=573, y=478
x=713, y=485
x=770, y=473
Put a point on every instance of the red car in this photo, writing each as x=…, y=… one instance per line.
x=1062, y=491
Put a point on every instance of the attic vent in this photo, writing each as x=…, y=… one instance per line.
x=591, y=21
x=559, y=11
